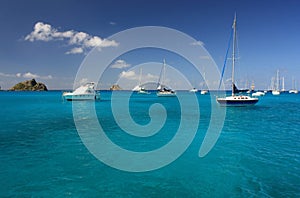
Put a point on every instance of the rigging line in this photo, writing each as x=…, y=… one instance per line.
x=160, y=76
x=226, y=56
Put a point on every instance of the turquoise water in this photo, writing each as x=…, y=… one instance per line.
x=41, y=153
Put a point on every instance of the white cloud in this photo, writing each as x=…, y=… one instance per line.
x=45, y=32
x=119, y=64
x=31, y=75
x=7, y=75
x=26, y=75
x=112, y=23
x=199, y=43
x=75, y=50
x=130, y=75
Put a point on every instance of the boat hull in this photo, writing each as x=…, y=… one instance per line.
x=238, y=101
x=81, y=97
x=164, y=94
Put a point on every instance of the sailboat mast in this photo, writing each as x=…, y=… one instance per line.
x=277, y=81
x=233, y=53
x=164, y=74
x=140, y=78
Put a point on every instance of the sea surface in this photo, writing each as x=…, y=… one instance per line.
x=42, y=155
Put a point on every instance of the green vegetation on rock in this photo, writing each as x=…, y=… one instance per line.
x=29, y=85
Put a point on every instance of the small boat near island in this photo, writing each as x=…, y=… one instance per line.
x=84, y=92
x=235, y=100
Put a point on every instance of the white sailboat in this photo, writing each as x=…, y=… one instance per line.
x=235, y=100
x=294, y=90
x=193, y=90
x=139, y=88
x=276, y=90
x=203, y=91
x=162, y=90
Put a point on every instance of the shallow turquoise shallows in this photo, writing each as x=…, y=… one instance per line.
x=42, y=155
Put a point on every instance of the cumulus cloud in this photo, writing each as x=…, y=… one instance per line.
x=130, y=75
x=199, y=43
x=26, y=75
x=119, y=64
x=112, y=23
x=75, y=50
x=82, y=41
x=31, y=75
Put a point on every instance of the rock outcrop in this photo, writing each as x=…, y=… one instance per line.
x=29, y=85
x=115, y=87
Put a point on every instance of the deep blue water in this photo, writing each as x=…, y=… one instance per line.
x=41, y=153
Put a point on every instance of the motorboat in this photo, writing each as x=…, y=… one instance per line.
x=84, y=92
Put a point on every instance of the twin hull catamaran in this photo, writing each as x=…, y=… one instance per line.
x=234, y=99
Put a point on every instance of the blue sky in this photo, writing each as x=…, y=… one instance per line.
x=268, y=35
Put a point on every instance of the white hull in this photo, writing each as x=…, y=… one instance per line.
x=293, y=91
x=85, y=92
x=257, y=94
x=166, y=94
x=203, y=92
x=79, y=97
x=237, y=101
x=193, y=90
x=275, y=92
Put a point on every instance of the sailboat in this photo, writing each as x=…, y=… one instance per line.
x=162, y=90
x=203, y=91
x=193, y=90
x=294, y=90
x=139, y=88
x=234, y=99
x=276, y=90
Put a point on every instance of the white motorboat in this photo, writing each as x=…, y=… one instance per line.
x=84, y=92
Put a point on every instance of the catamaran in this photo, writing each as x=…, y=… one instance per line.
x=234, y=99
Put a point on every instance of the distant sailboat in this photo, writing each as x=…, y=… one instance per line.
x=193, y=90
x=139, y=88
x=162, y=90
x=276, y=90
x=294, y=90
x=235, y=100
x=203, y=91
